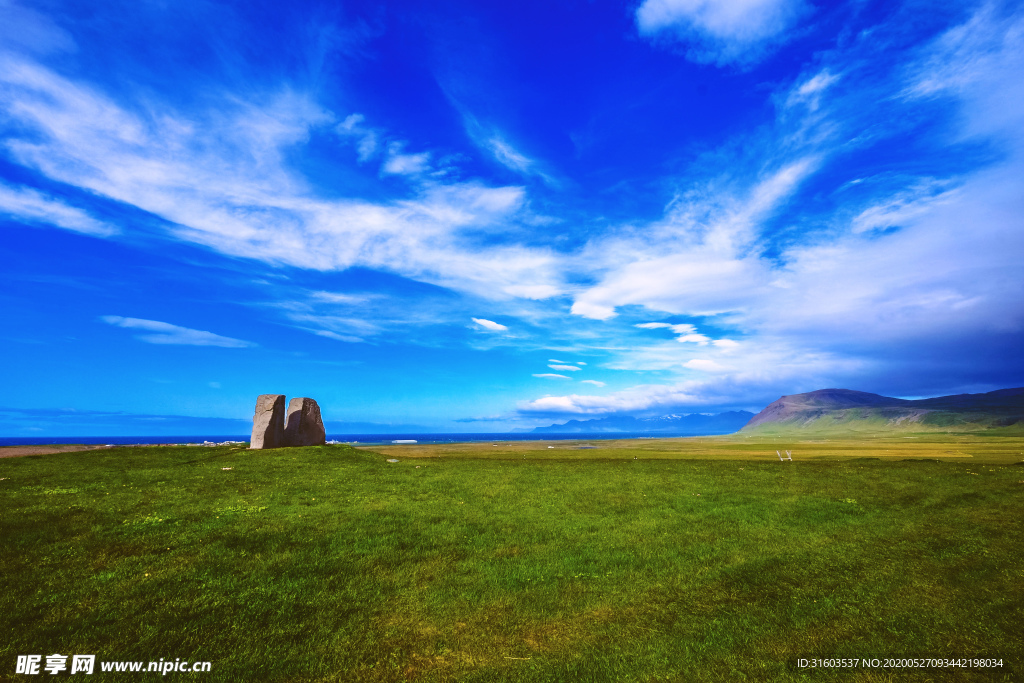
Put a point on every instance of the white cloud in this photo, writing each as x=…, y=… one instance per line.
x=348, y=327
x=777, y=368
x=532, y=291
x=555, y=360
x=509, y=156
x=221, y=178
x=977, y=66
x=30, y=30
x=957, y=278
x=810, y=92
x=551, y=375
x=592, y=310
x=515, y=160
x=970, y=58
x=27, y=204
x=923, y=262
x=490, y=325
x=579, y=362
x=817, y=83
x=366, y=139
x=405, y=164
x=592, y=381
x=165, y=333
x=490, y=140
x=722, y=31
x=703, y=364
x=684, y=328
x=903, y=207
x=339, y=298
x=631, y=400
x=564, y=368
x=686, y=332
x=948, y=262
x=702, y=259
x=338, y=337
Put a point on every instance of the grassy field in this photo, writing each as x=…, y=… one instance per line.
x=647, y=560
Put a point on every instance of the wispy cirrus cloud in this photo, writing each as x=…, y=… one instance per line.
x=342, y=297
x=338, y=337
x=490, y=325
x=220, y=178
x=166, y=333
x=31, y=30
x=367, y=142
x=30, y=205
x=702, y=259
x=494, y=143
x=721, y=31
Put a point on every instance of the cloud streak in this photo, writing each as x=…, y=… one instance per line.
x=220, y=179
x=720, y=31
x=490, y=325
x=29, y=205
x=166, y=333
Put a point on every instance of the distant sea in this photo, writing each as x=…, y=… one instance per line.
x=363, y=439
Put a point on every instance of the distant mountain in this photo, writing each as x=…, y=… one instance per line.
x=693, y=425
x=847, y=410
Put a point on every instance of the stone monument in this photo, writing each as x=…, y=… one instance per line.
x=271, y=429
x=303, y=426
x=268, y=422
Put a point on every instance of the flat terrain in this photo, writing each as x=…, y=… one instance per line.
x=975, y=447
x=19, y=451
x=651, y=560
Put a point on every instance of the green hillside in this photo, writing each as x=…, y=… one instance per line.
x=837, y=411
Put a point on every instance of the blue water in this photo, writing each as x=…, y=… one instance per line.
x=369, y=439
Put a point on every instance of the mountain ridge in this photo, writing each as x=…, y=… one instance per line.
x=695, y=424
x=848, y=409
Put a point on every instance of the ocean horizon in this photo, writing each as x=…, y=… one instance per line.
x=363, y=439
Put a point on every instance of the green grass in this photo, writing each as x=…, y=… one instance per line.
x=700, y=560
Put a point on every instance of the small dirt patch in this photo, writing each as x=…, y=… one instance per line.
x=19, y=451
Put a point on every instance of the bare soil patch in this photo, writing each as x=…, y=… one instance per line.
x=19, y=451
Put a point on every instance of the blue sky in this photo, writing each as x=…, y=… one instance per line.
x=480, y=216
